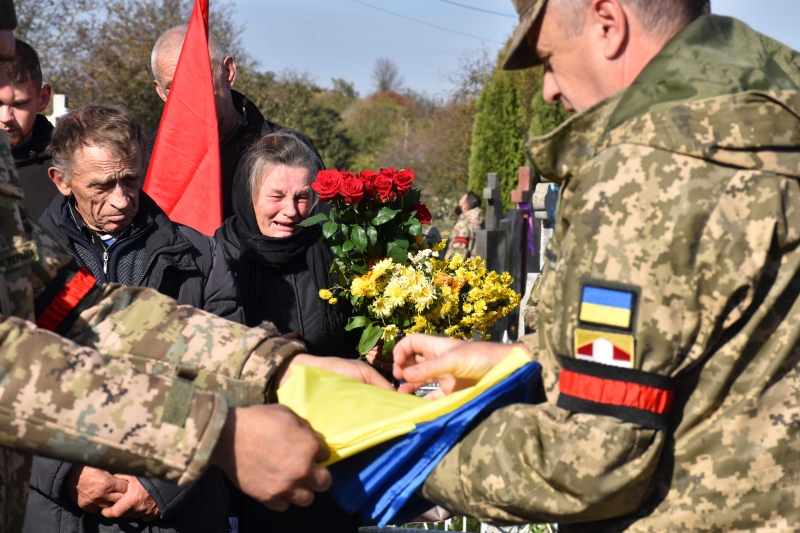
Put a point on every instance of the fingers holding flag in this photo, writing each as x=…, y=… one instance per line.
x=454, y=364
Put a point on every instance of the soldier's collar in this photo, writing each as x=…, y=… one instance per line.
x=560, y=153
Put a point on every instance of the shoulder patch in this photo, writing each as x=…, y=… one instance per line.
x=606, y=307
x=605, y=348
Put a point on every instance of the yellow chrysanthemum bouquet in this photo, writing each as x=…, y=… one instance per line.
x=457, y=297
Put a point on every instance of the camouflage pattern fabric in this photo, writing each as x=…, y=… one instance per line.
x=693, y=204
x=8, y=16
x=462, y=238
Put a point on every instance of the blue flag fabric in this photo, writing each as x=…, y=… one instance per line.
x=380, y=483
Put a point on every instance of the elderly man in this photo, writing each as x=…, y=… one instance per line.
x=470, y=220
x=28, y=130
x=671, y=301
x=73, y=384
x=239, y=120
x=114, y=229
x=118, y=233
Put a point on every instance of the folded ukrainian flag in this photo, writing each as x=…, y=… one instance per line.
x=391, y=441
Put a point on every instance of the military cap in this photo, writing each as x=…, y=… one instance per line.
x=521, y=55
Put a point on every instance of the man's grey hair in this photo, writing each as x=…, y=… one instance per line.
x=111, y=126
x=170, y=43
x=662, y=18
x=281, y=149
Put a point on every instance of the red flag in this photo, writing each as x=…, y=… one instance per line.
x=185, y=176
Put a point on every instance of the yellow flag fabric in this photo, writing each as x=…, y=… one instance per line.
x=354, y=417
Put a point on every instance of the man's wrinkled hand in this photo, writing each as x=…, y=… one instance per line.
x=93, y=489
x=454, y=364
x=135, y=503
x=357, y=370
x=273, y=455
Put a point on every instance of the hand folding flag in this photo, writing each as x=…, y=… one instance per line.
x=385, y=444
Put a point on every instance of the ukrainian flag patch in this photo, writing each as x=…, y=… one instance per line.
x=606, y=307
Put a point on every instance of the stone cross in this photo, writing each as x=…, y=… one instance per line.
x=524, y=191
x=494, y=202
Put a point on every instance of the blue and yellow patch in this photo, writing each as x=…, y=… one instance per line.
x=606, y=307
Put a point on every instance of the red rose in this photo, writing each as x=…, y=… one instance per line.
x=352, y=190
x=368, y=178
x=403, y=181
x=423, y=215
x=328, y=184
x=347, y=175
x=384, y=185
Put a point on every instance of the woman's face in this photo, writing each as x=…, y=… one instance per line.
x=283, y=201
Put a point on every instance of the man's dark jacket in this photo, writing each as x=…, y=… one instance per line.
x=32, y=161
x=235, y=145
x=181, y=263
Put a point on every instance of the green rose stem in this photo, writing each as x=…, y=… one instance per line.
x=363, y=254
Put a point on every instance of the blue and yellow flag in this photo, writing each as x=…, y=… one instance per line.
x=607, y=307
x=385, y=444
x=354, y=417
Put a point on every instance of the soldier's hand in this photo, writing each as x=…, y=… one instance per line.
x=93, y=489
x=273, y=455
x=454, y=364
x=358, y=370
x=135, y=503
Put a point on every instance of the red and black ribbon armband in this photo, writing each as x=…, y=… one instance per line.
x=630, y=395
x=461, y=240
x=64, y=298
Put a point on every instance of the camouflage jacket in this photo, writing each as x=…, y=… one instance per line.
x=130, y=381
x=669, y=319
x=8, y=16
x=462, y=239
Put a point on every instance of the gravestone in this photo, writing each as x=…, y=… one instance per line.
x=491, y=243
x=545, y=200
x=525, y=252
x=494, y=202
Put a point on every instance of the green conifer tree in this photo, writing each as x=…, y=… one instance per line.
x=497, y=136
x=546, y=117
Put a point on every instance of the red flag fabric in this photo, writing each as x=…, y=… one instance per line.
x=185, y=175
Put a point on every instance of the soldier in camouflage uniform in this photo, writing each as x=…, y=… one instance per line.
x=125, y=379
x=470, y=220
x=669, y=311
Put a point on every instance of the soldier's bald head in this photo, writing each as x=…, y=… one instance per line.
x=167, y=50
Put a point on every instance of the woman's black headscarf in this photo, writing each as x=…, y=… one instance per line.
x=261, y=254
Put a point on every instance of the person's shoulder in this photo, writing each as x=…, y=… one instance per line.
x=203, y=243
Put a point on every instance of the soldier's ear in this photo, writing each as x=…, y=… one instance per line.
x=57, y=177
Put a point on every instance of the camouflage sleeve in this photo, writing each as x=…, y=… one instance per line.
x=156, y=335
x=460, y=238
x=61, y=399
x=544, y=464
x=8, y=17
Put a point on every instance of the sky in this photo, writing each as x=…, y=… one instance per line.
x=343, y=38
